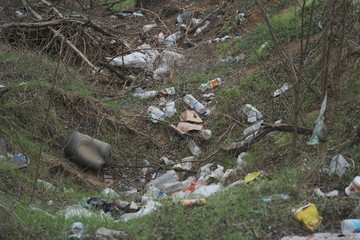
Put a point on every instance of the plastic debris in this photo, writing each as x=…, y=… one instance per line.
x=168, y=61
x=148, y=27
x=45, y=184
x=233, y=59
x=173, y=187
x=338, y=165
x=207, y=191
x=149, y=207
x=209, y=96
x=252, y=130
x=171, y=40
x=167, y=91
x=109, y=192
x=194, y=148
x=135, y=60
x=195, y=104
x=183, y=17
x=19, y=14
x=120, y=204
x=281, y=90
x=184, y=127
x=77, y=231
x=206, y=173
x=87, y=151
x=137, y=14
x=193, y=202
x=200, y=29
x=354, y=187
x=166, y=161
x=193, y=186
x=210, y=84
x=75, y=211
x=155, y=114
x=19, y=159
x=155, y=193
x=276, y=197
x=170, y=109
x=252, y=176
x=333, y=193
x=324, y=236
x=240, y=159
x=108, y=234
x=350, y=226
x=308, y=216
x=240, y=17
x=190, y=116
x=147, y=94
x=234, y=184
x=252, y=113
x=320, y=131
x=223, y=39
x=206, y=133
x=168, y=177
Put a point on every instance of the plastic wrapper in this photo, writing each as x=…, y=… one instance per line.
x=308, y=216
x=149, y=207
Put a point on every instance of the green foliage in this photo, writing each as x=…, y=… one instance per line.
x=121, y=5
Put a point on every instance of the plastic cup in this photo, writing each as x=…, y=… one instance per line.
x=354, y=187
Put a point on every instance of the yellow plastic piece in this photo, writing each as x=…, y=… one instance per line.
x=251, y=176
x=308, y=216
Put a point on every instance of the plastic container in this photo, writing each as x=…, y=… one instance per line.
x=147, y=94
x=350, y=226
x=170, y=109
x=354, y=187
x=195, y=104
x=210, y=84
x=155, y=114
x=87, y=151
x=194, y=148
x=206, y=133
x=168, y=177
x=46, y=185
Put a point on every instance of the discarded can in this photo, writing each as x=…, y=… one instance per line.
x=354, y=187
x=87, y=151
x=210, y=84
x=308, y=216
x=193, y=202
x=195, y=104
x=350, y=226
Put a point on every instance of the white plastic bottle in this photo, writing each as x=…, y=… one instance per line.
x=350, y=226
x=210, y=84
x=194, y=104
x=147, y=94
x=168, y=177
x=155, y=114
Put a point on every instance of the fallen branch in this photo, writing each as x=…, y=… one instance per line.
x=264, y=130
x=61, y=36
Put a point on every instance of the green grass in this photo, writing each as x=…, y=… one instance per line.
x=123, y=5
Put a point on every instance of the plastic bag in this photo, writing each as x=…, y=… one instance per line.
x=320, y=131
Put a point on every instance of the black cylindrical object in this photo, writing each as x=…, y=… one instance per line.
x=87, y=151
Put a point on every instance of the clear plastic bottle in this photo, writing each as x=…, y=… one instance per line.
x=210, y=84
x=155, y=114
x=147, y=94
x=168, y=177
x=350, y=226
x=194, y=148
x=170, y=109
x=195, y=104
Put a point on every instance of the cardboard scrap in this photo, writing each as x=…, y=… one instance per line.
x=185, y=127
x=190, y=116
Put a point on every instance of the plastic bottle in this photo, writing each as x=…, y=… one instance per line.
x=350, y=226
x=46, y=185
x=170, y=109
x=193, y=202
x=168, y=177
x=210, y=84
x=173, y=187
x=146, y=94
x=206, y=133
x=194, y=148
x=155, y=114
x=195, y=104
